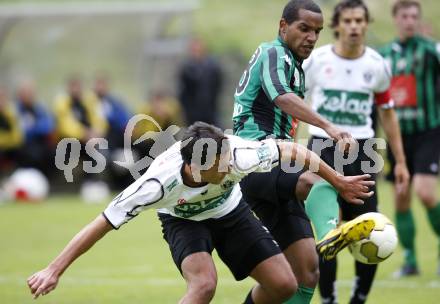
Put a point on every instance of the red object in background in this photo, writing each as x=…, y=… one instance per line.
x=404, y=90
x=21, y=195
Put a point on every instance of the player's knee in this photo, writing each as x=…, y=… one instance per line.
x=426, y=196
x=285, y=288
x=403, y=202
x=310, y=276
x=205, y=288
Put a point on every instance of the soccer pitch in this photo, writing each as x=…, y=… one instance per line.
x=133, y=265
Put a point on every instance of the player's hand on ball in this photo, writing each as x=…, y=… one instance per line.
x=42, y=282
x=354, y=189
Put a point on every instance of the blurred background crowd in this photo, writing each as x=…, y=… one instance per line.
x=30, y=130
x=72, y=69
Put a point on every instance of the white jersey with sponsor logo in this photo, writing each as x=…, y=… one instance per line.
x=162, y=187
x=344, y=90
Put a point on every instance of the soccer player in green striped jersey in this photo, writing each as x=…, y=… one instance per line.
x=415, y=65
x=268, y=102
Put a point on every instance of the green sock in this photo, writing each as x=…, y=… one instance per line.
x=434, y=219
x=322, y=208
x=303, y=295
x=407, y=232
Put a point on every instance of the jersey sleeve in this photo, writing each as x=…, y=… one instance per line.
x=255, y=156
x=382, y=95
x=147, y=192
x=273, y=73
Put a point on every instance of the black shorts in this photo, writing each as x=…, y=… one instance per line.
x=239, y=237
x=422, y=153
x=271, y=196
x=349, y=211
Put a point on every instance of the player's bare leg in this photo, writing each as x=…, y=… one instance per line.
x=425, y=189
x=301, y=254
x=303, y=259
x=201, y=277
x=276, y=282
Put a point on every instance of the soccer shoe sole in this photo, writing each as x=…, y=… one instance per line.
x=349, y=232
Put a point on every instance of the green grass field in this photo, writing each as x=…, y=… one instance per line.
x=133, y=265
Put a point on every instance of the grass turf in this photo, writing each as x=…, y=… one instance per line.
x=133, y=265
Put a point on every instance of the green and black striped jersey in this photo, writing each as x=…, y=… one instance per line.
x=272, y=71
x=415, y=86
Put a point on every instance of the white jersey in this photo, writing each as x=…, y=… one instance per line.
x=162, y=186
x=344, y=90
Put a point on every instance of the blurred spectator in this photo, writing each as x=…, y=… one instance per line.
x=164, y=109
x=166, y=112
x=115, y=112
x=79, y=114
x=10, y=133
x=37, y=125
x=117, y=117
x=200, y=80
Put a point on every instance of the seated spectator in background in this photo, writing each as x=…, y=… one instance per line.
x=11, y=137
x=117, y=117
x=166, y=112
x=200, y=80
x=38, y=127
x=115, y=112
x=79, y=115
x=164, y=109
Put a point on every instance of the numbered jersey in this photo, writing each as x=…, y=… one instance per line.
x=272, y=71
x=162, y=186
x=345, y=90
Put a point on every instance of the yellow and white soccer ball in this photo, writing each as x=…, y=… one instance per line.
x=381, y=243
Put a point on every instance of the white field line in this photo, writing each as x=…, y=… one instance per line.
x=177, y=281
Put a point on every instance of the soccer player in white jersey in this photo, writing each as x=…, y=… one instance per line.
x=344, y=81
x=194, y=186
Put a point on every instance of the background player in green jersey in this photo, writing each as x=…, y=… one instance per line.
x=415, y=65
x=268, y=102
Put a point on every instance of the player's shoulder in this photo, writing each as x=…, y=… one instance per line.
x=429, y=44
x=275, y=47
x=248, y=155
x=392, y=45
x=237, y=142
x=317, y=56
x=373, y=55
x=322, y=51
x=168, y=163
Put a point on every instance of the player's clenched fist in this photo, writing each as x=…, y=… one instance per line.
x=42, y=282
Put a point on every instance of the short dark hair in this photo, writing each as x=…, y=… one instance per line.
x=199, y=131
x=405, y=4
x=291, y=10
x=347, y=4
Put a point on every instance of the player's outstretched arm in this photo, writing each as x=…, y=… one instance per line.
x=295, y=106
x=46, y=280
x=352, y=188
x=390, y=124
